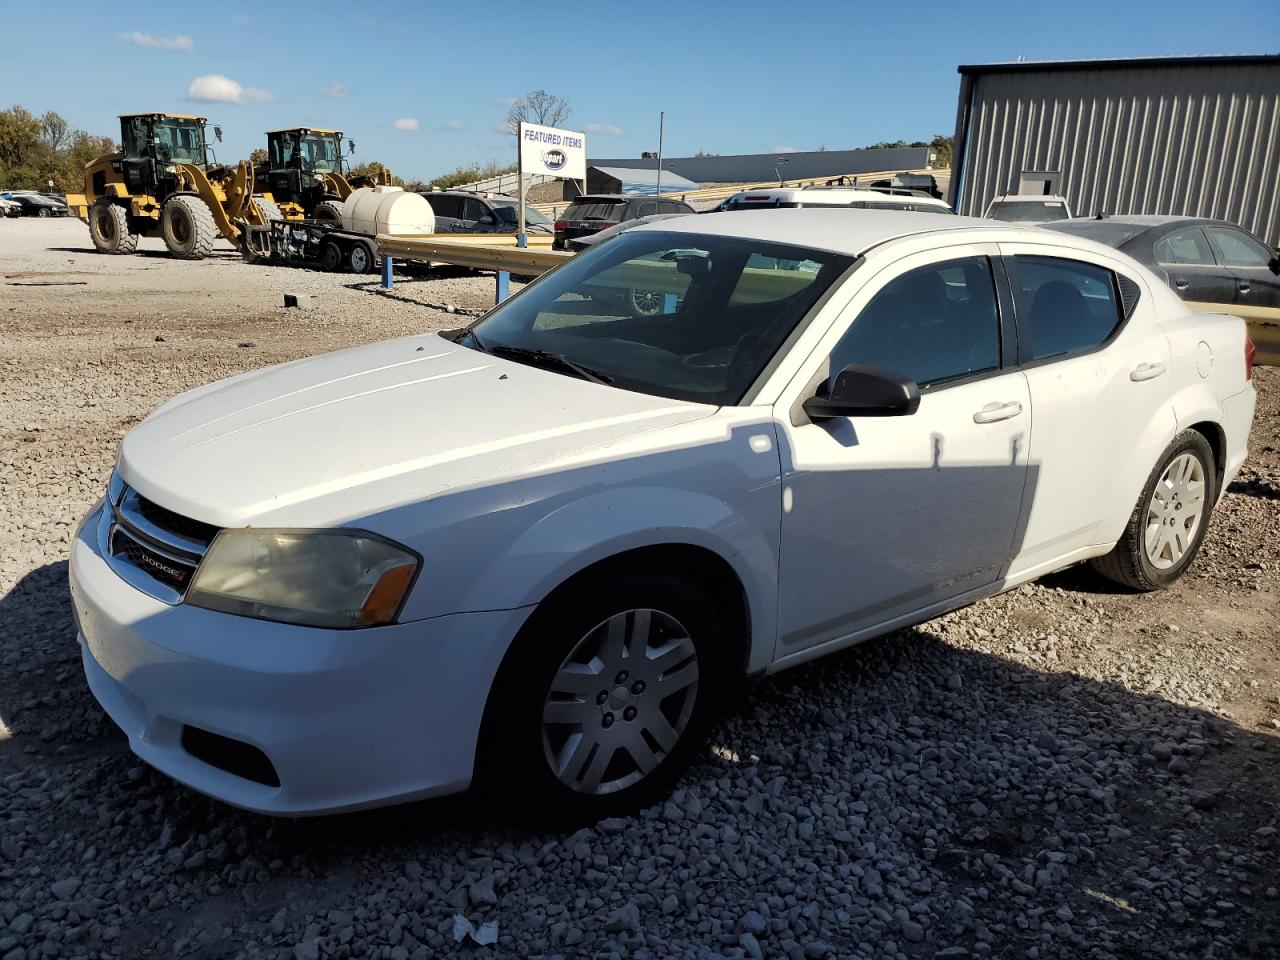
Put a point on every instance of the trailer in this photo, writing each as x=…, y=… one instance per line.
x=322, y=244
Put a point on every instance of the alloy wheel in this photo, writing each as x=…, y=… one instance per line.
x=1175, y=511
x=620, y=701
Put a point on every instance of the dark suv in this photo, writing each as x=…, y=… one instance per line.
x=460, y=211
x=596, y=212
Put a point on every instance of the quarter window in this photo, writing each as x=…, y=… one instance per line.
x=1187, y=247
x=1239, y=249
x=1064, y=306
x=932, y=324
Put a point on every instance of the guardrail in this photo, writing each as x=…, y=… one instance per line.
x=476, y=251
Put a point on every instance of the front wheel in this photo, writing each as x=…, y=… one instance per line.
x=187, y=227
x=42, y=212
x=1170, y=520
x=607, y=696
x=328, y=211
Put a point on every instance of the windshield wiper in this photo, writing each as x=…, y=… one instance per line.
x=545, y=358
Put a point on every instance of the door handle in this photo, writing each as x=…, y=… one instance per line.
x=1146, y=371
x=1243, y=286
x=1180, y=284
x=997, y=411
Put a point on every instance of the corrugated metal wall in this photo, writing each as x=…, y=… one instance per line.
x=1179, y=138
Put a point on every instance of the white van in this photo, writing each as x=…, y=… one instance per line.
x=868, y=198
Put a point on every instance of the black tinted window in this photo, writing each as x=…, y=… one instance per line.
x=931, y=324
x=610, y=210
x=445, y=206
x=474, y=209
x=1184, y=247
x=1064, y=306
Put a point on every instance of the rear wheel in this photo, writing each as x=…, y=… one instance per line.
x=607, y=695
x=1171, y=518
x=328, y=211
x=645, y=303
x=109, y=228
x=187, y=226
x=330, y=256
x=360, y=259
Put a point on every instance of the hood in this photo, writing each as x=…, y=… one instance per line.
x=333, y=438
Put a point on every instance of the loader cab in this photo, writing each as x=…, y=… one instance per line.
x=305, y=149
x=152, y=143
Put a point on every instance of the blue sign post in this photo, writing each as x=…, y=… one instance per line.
x=388, y=276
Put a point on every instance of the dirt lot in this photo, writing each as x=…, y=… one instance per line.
x=1063, y=771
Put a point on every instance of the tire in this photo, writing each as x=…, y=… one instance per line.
x=268, y=209
x=109, y=228
x=360, y=259
x=42, y=212
x=330, y=257
x=545, y=746
x=328, y=211
x=186, y=224
x=1152, y=554
x=644, y=303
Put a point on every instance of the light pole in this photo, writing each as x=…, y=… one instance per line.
x=662, y=116
x=780, y=161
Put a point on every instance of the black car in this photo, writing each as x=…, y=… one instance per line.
x=461, y=211
x=38, y=205
x=595, y=212
x=1208, y=263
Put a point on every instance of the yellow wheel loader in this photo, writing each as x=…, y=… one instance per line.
x=164, y=183
x=304, y=173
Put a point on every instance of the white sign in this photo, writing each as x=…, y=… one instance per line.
x=551, y=152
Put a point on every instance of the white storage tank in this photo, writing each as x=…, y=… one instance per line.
x=387, y=210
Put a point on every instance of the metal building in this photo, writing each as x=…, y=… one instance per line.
x=1191, y=136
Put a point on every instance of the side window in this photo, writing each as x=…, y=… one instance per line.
x=1239, y=249
x=1183, y=248
x=474, y=209
x=1064, y=306
x=932, y=324
x=444, y=206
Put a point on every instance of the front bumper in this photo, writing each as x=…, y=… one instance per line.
x=347, y=718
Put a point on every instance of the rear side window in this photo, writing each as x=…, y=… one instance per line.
x=932, y=324
x=445, y=206
x=1186, y=247
x=1064, y=306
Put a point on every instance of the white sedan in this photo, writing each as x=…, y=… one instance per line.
x=546, y=550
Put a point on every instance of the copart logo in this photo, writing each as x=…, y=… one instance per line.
x=554, y=159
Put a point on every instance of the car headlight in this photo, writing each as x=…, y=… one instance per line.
x=316, y=578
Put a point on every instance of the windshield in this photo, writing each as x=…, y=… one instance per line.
x=510, y=213
x=179, y=140
x=320, y=153
x=610, y=210
x=678, y=315
x=1028, y=211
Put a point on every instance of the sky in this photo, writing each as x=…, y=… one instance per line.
x=424, y=86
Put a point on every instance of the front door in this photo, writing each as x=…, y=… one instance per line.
x=885, y=517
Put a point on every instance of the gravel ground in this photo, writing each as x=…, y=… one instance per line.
x=1063, y=771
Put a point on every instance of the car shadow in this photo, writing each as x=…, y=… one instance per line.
x=916, y=775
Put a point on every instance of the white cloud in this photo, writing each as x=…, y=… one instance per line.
x=507, y=101
x=786, y=149
x=605, y=128
x=406, y=123
x=454, y=125
x=336, y=91
x=215, y=88
x=182, y=43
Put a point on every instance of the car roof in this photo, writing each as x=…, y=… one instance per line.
x=849, y=194
x=1029, y=198
x=852, y=231
x=1116, y=231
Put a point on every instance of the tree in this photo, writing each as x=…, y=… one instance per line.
x=54, y=131
x=538, y=107
x=258, y=156
x=941, y=145
x=470, y=173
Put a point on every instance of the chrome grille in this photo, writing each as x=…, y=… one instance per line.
x=150, y=546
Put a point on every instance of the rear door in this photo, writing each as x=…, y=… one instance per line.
x=448, y=210
x=1097, y=366
x=1194, y=272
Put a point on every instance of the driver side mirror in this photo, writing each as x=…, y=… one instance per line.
x=864, y=391
x=351, y=146
x=217, y=132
